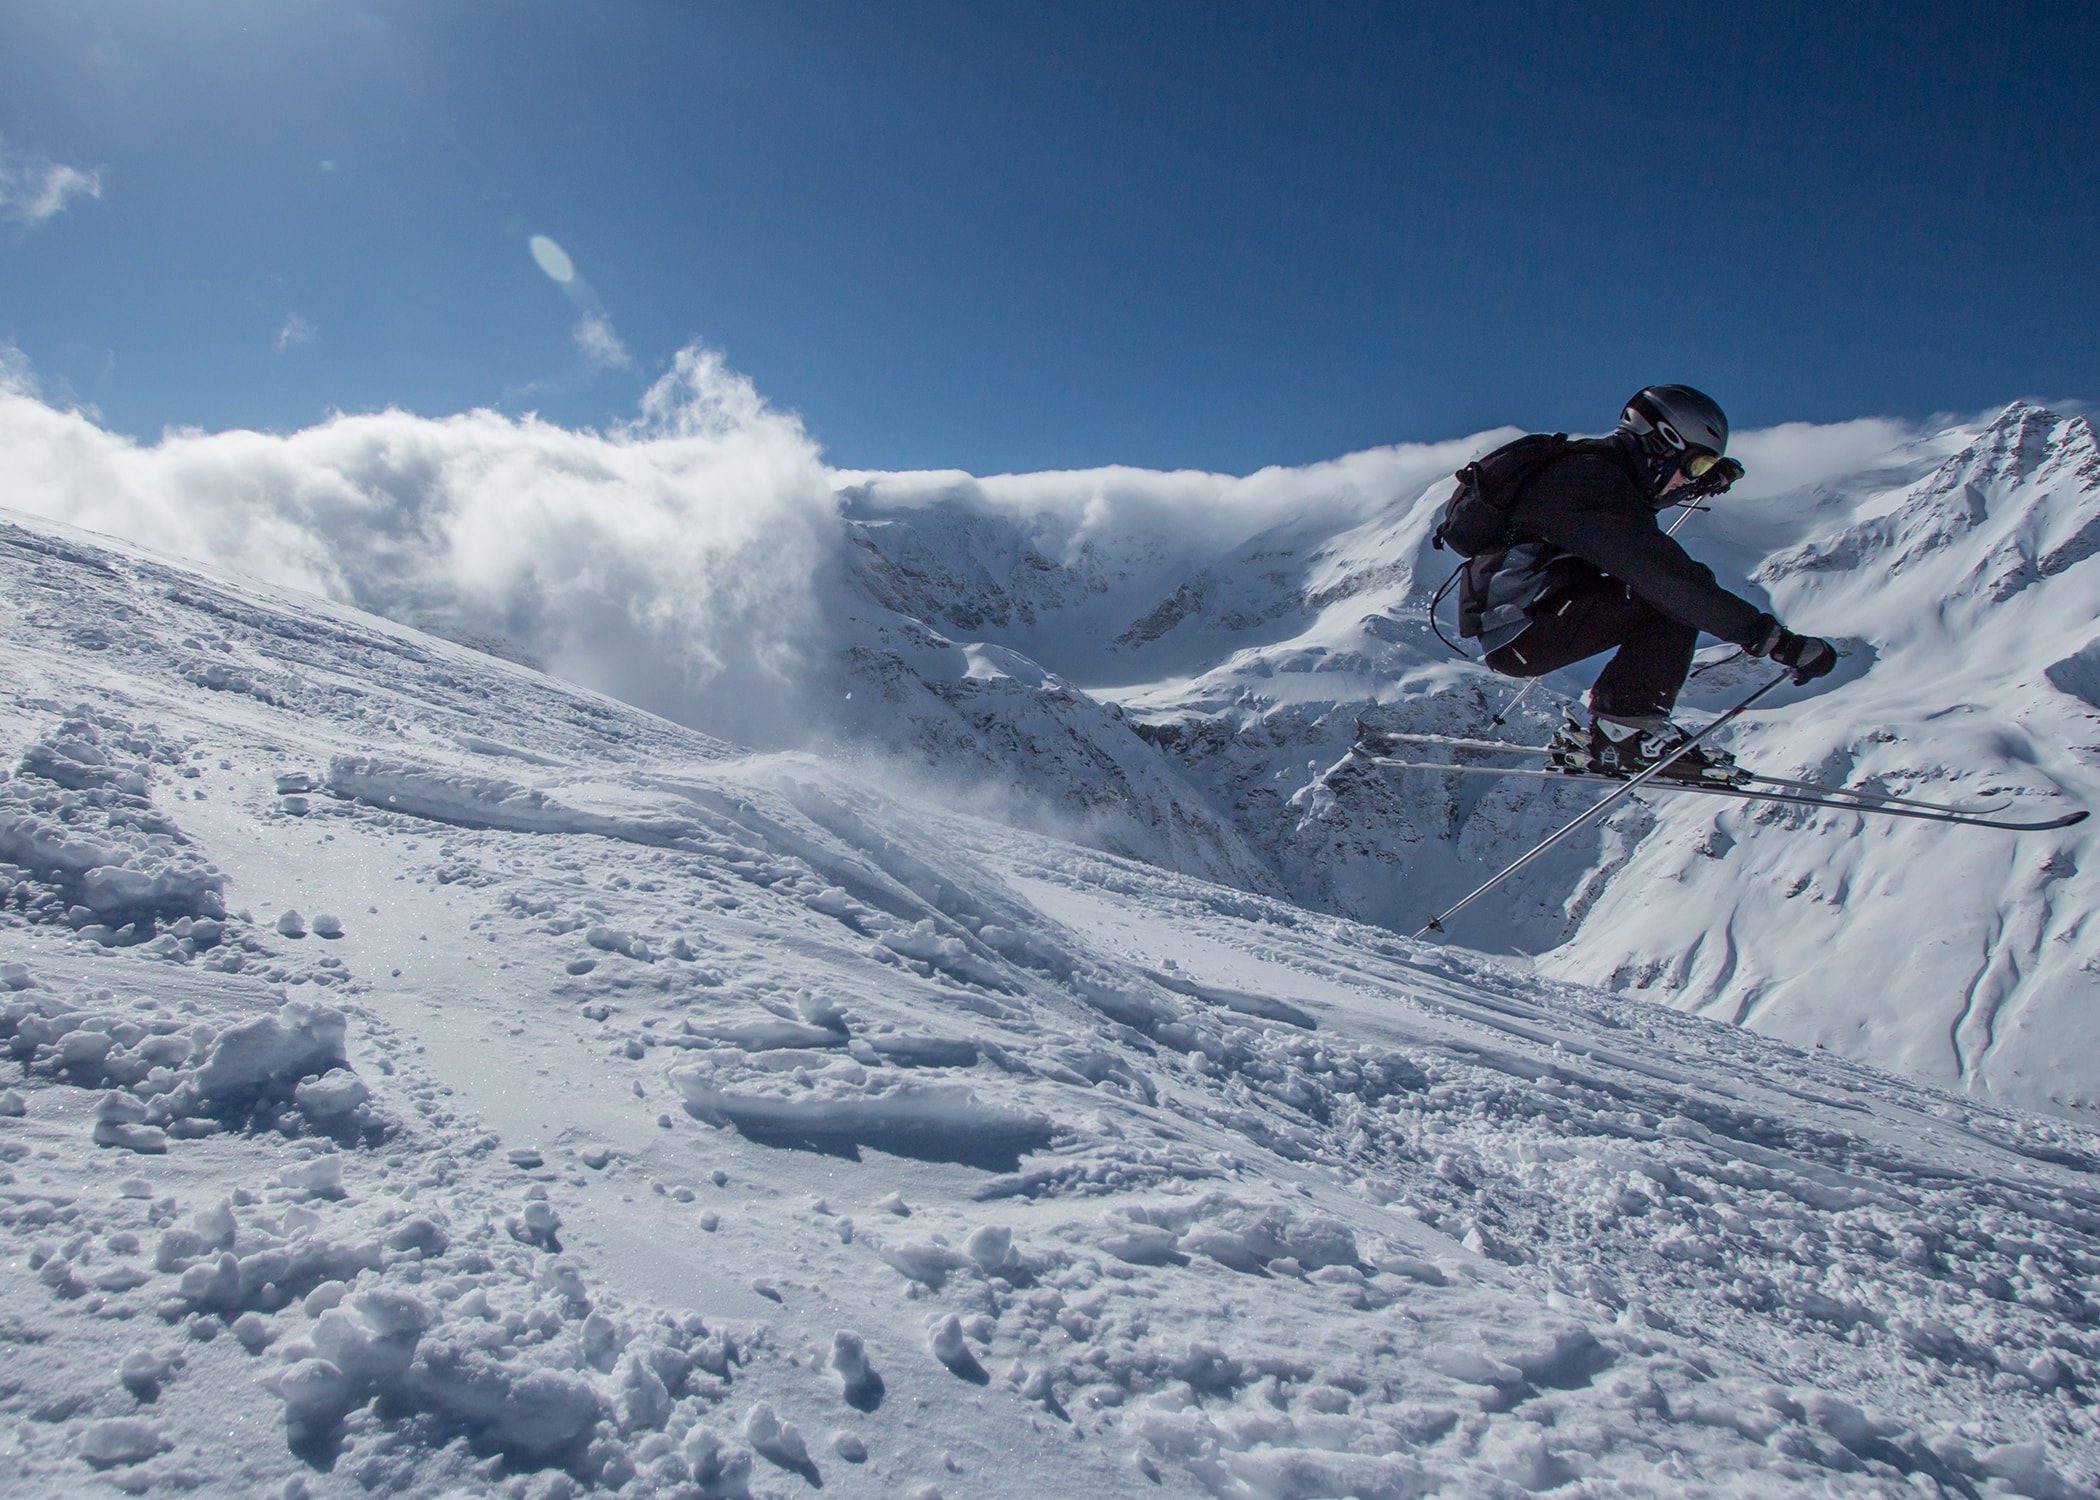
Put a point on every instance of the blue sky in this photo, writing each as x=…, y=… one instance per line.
x=1006, y=236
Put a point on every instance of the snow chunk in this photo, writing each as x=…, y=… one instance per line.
x=991, y=1246
x=927, y=944
x=316, y=1394
x=164, y=1079
x=142, y=1372
x=322, y=1177
x=923, y=1262
x=372, y=1335
x=845, y=1106
x=302, y=1038
x=770, y=1034
x=945, y=1340
x=253, y=1332
x=644, y=1402
x=617, y=940
x=1142, y=1244
x=487, y=802
x=147, y=1140
x=720, y=1471
x=120, y=1440
x=779, y=1442
x=863, y=1388
x=332, y=1095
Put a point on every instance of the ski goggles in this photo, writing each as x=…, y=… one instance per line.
x=1697, y=461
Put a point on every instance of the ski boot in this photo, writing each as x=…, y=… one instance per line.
x=1605, y=748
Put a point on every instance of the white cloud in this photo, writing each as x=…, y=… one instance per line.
x=34, y=188
x=1793, y=454
x=296, y=331
x=1185, y=514
x=600, y=345
x=16, y=378
x=676, y=563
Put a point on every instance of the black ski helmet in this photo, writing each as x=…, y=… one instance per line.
x=1671, y=418
x=1669, y=422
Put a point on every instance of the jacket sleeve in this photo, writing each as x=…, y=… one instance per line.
x=1592, y=510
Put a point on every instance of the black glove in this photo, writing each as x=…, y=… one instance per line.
x=1810, y=656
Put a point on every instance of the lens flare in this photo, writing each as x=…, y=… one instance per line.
x=553, y=259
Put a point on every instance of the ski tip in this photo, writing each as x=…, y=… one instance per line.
x=2066, y=821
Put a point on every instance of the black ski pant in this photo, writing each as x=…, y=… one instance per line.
x=1596, y=613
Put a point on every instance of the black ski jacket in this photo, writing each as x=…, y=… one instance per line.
x=1587, y=513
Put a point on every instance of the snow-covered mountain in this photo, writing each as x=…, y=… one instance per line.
x=425, y=1077
x=1950, y=566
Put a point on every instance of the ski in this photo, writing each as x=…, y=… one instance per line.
x=1822, y=797
x=1865, y=793
x=1619, y=789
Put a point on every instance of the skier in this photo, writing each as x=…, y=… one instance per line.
x=1582, y=567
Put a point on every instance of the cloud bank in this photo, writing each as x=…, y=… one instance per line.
x=1794, y=454
x=34, y=188
x=675, y=562
x=1183, y=514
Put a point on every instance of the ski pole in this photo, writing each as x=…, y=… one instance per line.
x=1512, y=706
x=1525, y=692
x=1436, y=923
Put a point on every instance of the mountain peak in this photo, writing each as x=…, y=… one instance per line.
x=2019, y=443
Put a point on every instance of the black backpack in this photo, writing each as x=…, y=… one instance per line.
x=1476, y=517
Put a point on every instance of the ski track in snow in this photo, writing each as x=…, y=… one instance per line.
x=423, y=1077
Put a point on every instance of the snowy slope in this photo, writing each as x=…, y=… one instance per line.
x=425, y=1077
x=995, y=730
